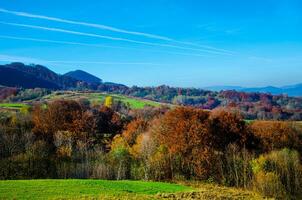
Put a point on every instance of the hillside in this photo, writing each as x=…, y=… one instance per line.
x=252, y=103
x=13, y=77
x=32, y=76
x=37, y=76
x=83, y=76
x=99, y=98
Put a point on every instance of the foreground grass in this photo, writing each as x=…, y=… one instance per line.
x=85, y=189
x=206, y=191
x=113, y=190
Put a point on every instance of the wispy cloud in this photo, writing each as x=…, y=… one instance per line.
x=98, y=45
x=104, y=62
x=15, y=58
x=100, y=26
x=112, y=38
x=114, y=29
x=62, y=42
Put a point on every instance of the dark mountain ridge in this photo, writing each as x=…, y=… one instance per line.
x=16, y=78
x=37, y=76
x=83, y=76
x=44, y=74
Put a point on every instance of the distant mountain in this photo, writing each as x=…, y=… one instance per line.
x=37, y=76
x=16, y=78
x=290, y=90
x=114, y=84
x=218, y=88
x=31, y=76
x=293, y=90
x=268, y=89
x=84, y=76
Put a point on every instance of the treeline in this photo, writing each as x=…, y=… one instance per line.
x=250, y=105
x=10, y=94
x=71, y=139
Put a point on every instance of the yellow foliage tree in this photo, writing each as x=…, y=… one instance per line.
x=108, y=101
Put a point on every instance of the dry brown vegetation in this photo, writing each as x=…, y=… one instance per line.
x=70, y=139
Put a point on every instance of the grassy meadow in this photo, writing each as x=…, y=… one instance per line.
x=98, y=98
x=112, y=190
x=85, y=189
x=94, y=98
x=13, y=106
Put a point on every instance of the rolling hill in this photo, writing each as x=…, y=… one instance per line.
x=37, y=76
x=83, y=76
x=33, y=76
x=13, y=77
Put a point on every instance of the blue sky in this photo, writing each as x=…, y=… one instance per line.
x=188, y=43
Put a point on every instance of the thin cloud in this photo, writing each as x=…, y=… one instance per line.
x=14, y=58
x=103, y=63
x=97, y=45
x=110, y=28
x=61, y=42
x=100, y=26
x=112, y=38
x=207, y=47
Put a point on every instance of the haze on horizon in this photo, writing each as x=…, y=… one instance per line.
x=179, y=43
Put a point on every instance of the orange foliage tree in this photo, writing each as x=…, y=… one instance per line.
x=277, y=135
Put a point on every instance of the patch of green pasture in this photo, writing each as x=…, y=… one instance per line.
x=134, y=103
x=88, y=189
x=13, y=105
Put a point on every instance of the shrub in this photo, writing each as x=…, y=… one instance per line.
x=277, y=173
x=269, y=184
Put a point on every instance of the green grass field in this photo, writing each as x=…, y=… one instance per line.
x=134, y=103
x=113, y=190
x=13, y=105
x=85, y=189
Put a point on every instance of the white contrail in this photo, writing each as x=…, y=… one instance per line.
x=205, y=46
x=110, y=28
x=97, y=45
x=112, y=38
x=62, y=42
x=13, y=58
x=100, y=26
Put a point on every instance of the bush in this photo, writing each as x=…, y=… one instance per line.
x=269, y=184
x=278, y=173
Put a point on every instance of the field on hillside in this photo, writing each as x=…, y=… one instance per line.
x=94, y=98
x=111, y=190
x=98, y=98
x=14, y=106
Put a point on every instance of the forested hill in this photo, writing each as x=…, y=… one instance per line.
x=252, y=105
x=84, y=76
x=34, y=76
x=37, y=76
